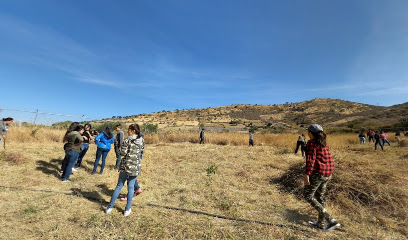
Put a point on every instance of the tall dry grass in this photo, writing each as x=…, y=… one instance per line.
x=368, y=193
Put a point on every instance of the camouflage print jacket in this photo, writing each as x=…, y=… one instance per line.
x=131, y=149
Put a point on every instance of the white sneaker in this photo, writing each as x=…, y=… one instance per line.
x=108, y=210
x=74, y=170
x=127, y=213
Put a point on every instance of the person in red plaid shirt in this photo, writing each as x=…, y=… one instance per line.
x=318, y=171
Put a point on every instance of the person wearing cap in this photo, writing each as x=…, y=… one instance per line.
x=318, y=172
x=103, y=141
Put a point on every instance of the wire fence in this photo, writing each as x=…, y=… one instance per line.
x=38, y=117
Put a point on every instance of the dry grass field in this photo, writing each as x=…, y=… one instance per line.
x=221, y=190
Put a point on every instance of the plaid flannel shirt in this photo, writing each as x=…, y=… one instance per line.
x=318, y=159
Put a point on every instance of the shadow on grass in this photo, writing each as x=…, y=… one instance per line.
x=92, y=196
x=296, y=217
x=228, y=218
x=105, y=190
x=52, y=167
x=289, y=182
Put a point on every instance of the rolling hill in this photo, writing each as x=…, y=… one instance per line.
x=332, y=113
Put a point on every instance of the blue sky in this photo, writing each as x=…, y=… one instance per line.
x=119, y=58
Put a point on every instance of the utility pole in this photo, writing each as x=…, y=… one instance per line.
x=36, y=115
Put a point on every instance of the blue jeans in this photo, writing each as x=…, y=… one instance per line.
x=118, y=157
x=362, y=140
x=71, y=157
x=100, y=152
x=84, y=147
x=131, y=182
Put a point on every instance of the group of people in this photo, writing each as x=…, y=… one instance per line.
x=377, y=137
x=318, y=158
x=128, y=156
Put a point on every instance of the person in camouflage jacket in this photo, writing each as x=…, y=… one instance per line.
x=131, y=150
x=130, y=167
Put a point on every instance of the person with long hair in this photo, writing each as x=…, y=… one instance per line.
x=87, y=135
x=130, y=167
x=65, y=141
x=72, y=148
x=104, y=141
x=318, y=172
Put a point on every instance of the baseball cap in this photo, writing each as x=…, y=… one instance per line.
x=314, y=128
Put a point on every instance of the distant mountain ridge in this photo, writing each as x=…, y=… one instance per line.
x=325, y=111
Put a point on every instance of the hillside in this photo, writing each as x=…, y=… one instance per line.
x=327, y=112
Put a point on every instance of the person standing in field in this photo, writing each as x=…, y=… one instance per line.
x=103, y=141
x=384, y=139
x=202, y=136
x=301, y=142
x=361, y=136
x=87, y=135
x=138, y=190
x=72, y=148
x=251, y=139
x=318, y=172
x=378, y=140
x=130, y=168
x=370, y=135
x=4, y=127
x=120, y=135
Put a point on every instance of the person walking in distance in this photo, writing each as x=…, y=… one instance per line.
x=370, y=135
x=384, y=139
x=361, y=136
x=202, y=141
x=130, y=167
x=301, y=142
x=251, y=139
x=378, y=140
x=120, y=135
x=104, y=141
x=72, y=149
x=4, y=127
x=87, y=136
x=318, y=172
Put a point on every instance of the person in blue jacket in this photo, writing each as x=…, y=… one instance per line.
x=103, y=141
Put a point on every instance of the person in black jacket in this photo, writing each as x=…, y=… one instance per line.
x=202, y=136
x=87, y=136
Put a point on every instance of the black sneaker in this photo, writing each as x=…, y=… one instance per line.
x=333, y=224
x=318, y=225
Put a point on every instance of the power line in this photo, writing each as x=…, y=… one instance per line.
x=45, y=113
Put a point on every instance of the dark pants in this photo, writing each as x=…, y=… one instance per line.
x=118, y=157
x=202, y=140
x=370, y=138
x=70, y=157
x=378, y=141
x=300, y=144
x=100, y=152
x=251, y=142
x=314, y=194
x=84, y=150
